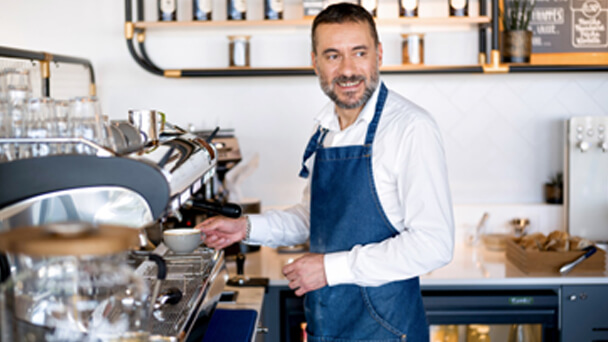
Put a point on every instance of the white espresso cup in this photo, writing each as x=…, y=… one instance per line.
x=182, y=240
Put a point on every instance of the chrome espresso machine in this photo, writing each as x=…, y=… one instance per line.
x=81, y=221
x=138, y=189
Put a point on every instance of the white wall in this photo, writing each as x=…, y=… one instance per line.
x=503, y=133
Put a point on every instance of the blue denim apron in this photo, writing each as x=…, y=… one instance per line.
x=345, y=211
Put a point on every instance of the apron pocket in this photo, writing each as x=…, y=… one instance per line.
x=373, y=307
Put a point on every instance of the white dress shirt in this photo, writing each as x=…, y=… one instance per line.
x=411, y=180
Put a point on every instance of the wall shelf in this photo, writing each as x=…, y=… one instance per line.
x=428, y=21
x=135, y=35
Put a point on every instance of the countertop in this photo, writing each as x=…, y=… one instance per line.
x=471, y=265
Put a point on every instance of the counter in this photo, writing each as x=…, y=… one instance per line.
x=479, y=286
x=471, y=265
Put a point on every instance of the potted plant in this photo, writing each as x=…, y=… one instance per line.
x=516, y=36
x=554, y=189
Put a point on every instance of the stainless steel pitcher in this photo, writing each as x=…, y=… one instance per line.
x=149, y=122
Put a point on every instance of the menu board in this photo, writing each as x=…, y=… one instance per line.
x=570, y=26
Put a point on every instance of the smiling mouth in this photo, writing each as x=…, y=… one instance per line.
x=349, y=84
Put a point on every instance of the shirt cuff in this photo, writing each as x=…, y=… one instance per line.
x=337, y=269
x=256, y=236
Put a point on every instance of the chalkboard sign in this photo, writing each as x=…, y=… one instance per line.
x=566, y=26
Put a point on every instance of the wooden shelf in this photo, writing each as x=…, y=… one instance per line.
x=435, y=21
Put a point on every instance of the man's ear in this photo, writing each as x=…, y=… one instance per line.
x=313, y=58
x=379, y=54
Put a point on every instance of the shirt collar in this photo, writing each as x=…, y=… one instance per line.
x=328, y=118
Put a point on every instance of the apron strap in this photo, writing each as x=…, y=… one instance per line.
x=313, y=145
x=371, y=129
x=317, y=139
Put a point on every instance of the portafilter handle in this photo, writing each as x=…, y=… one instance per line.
x=232, y=210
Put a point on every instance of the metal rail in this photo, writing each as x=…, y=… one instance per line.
x=45, y=59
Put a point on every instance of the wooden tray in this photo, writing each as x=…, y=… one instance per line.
x=550, y=262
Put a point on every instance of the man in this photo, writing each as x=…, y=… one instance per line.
x=377, y=209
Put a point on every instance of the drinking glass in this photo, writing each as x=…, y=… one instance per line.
x=4, y=131
x=62, y=121
x=16, y=90
x=86, y=122
x=39, y=123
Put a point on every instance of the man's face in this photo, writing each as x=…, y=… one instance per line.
x=347, y=62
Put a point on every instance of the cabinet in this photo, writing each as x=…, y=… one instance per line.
x=487, y=28
x=584, y=313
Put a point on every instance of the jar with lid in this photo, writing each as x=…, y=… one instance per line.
x=81, y=288
x=239, y=50
x=202, y=9
x=412, y=48
x=370, y=5
x=237, y=9
x=408, y=8
x=167, y=10
x=273, y=9
x=459, y=8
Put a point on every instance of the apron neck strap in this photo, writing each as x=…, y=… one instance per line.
x=314, y=143
x=371, y=128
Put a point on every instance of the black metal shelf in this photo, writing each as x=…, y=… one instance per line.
x=45, y=59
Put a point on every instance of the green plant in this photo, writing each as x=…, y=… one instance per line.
x=557, y=179
x=517, y=14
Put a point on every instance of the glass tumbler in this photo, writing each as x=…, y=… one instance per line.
x=15, y=91
x=86, y=122
x=39, y=123
x=62, y=121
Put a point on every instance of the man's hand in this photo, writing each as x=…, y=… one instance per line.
x=306, y=274
x=222, y=231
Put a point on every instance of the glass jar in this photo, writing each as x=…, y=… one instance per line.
x=73, y=283
x=239, y=51
x=73, y=298
x=412, y=48
x=408, y=8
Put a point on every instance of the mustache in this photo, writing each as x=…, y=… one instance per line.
x=348, y=79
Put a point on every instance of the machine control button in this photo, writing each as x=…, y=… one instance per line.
x=583, y=146
x=579, y=128
x=590, y=132
x=604, y=146
x=583, y=296
x=572, y=297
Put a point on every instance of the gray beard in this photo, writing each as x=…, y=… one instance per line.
x=369, y=89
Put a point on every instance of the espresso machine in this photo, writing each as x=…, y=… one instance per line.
x=587, y=177
x=82, y=214
x=139, y=187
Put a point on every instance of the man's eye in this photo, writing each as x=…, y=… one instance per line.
x=332, y=57
x=360, y=53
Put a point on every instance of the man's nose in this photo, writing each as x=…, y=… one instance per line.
x=347, y=66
